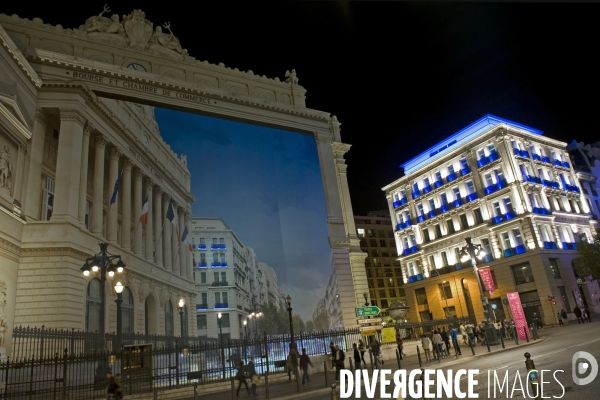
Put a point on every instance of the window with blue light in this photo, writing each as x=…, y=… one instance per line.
x=450, y=169
x=470, y=187
x=456, y=192
x=420, y=209
x=463, y=163
x=507, y=204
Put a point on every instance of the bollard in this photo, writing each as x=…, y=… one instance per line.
x=502, y=341
x=195, y=391
x=334, y=394
x=471, y=346
x=515, y=334
x=351, y=364
x=267, y=383
x=419, y=357
x=526, y=334
x=155, y=394
x=532, y=375
x=233, y=396
x=325, y=372
x=398, y=358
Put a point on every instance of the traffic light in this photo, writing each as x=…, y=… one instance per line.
x=553, y=303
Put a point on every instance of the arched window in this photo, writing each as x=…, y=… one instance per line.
x=93, y=306
x=127, y=311
x=169, y=319
x=185, y=332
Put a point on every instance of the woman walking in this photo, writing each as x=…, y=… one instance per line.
x=362, y=348
x=241, y=377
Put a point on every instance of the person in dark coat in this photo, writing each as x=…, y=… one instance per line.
x=251, y=370
x=113, y=387
x=578, y=313
x=332, y=350
x=241, y=378
x=356, y=357
x=587, y=314
x=339, y=362
x=304, y=363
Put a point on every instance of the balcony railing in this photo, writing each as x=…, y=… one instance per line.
x=202, y=264
x=471, y=197
x=426, y=189
x=464, y=171
x=515, y=250
x=569, y=246
x=221, y=305
x=503, y=218
x=532, y=179
x=218, y=247
x=410, y=250
x=572, y=188
x=421, y=218
x=399, y=203
x=550, y=245
x=542, y=211
x=565, y=164
x=546, y=160
x=495, y=187
x=521, y=153
x=218, y=265
x=404, y=225
x=483, y=161
x=451, y=177
x=220, y=283
x=201, y=247
x=416, y=195
x=550, y=184
x=201, y=306
x=536, y=157
x=415, y=278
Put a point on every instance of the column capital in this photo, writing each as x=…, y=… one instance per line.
x=165, y=196
x=100, y=140
x=138, y=174
x=157, y=190
x=321, y=137
x=181, y=210
x=72, y=115
x=88, y=128
x=148, y=181
x=115, y=152
x=40, y=115
x=127, y=164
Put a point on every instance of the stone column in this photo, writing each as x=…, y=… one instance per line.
x=33, y=195
x=68, y=166
x=167, y=228
x=175, y=241
x=97, y=204
x=19, y=180
x=126, y=205
x=85, y=150
x=188, y=254
x=138, y=202
x=158, y=225
x=113, y=173
x=183, y=248
x=149, y=224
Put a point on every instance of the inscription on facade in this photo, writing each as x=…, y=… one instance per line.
x=142, y=88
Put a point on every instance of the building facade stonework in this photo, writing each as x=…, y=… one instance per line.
x=514, y=192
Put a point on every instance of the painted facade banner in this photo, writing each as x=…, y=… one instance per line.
x=518, y=315
x=486, y=279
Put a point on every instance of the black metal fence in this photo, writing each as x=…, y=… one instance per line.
x=60, y=364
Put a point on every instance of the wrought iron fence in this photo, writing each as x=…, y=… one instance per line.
x=53, y=363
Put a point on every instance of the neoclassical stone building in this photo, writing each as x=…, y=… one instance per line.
x=70, y=125
x=63, y=149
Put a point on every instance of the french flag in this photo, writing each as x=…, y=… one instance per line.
x=184, y=238
x=172, y=216
x=144, y=215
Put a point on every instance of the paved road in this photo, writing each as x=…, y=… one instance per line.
x=554, y=353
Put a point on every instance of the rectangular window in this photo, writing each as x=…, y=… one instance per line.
x=425, y=316
x=463, y=221
x=384, y=303
x=373, y=242
x=421, y=296
x=382, y=243
x=426, y=236
x=217, y=298
x=463, y=163
x=522, y=273
x=488, y=179
x=445, y=291
x=432, y=262
x=225, y=320
x=485, y=243
x=361, y=232
x=214, y=241
x=554, y=268
x=431, y=205
x=222, y=257
x=201, y=321
x=438, y=176
x=425, y=182
x=444, y=259
x=88, y=215
x=517, y=237
x=480, y=154
x=478, y=217
x=456, y=192
x=382, y=293
x=221, y=240
x=443, y=199
x=497, y=209
x=450, y=226
x=215, y=277
x=420, y=209
x=563, y=295
x=224, y=297
x=450, y=169
x=223, y=276
x=380, y=283
x=505, y=240
x=438, y=231
x=202, y=277
x=470, y=187
x=48, y=199
x=507, y=204
x=491, y=148
x=392, y=292
x=215, y=257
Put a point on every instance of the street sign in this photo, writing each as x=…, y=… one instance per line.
x=370, y=311
x=369, y=321
x=370, y=328
x=368, y=333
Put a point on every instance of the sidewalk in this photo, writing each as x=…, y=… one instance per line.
x=282, y=389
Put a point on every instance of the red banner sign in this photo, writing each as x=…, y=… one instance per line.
x=486, y=279
x=518, y=315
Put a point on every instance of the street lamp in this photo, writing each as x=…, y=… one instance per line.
x=246, y=328
x=219, y=315
x=288, y=301
x=258, y=315
x=446, y=297
x=366, y=296
x=475, y=252
x=103, y=262
x=181, y=304
x=119, y=289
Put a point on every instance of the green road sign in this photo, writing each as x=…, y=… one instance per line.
x=371, y=311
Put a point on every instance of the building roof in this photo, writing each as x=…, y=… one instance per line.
x=477, y=128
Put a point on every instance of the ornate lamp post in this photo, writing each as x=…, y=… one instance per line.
x=288, y=301
x=366, y=296
x=181, y=304
x=119, y=289
x=219, y=315
x=258, y=315
x=475, y=252
x=246, y=328
x=103, y=263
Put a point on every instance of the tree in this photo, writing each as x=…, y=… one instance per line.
x=310, y=326
x=588, y=262
x=321, y=321
x=299, y=325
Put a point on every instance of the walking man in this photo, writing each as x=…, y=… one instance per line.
x=455, y=341
x=357, y=365
x=241, y=378
x=304, y=363
x=332, y=350
x=400, y=344
x=339, y=362
x=578, y=313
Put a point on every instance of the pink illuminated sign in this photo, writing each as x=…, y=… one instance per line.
x=518, y=315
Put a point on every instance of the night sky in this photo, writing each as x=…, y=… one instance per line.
x=399, y=76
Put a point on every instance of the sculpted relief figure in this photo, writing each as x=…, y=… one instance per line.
x=290, y=77
x=168, y=41
x=5, y=167
x=138, y=29
x=103, y=28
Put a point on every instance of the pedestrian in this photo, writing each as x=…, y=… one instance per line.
x=471, y=334
x=112, y=392
x=332, y=350
x=376, y=353
x=251, y=371
x=577, y=312
x=119, y=380
x=463, y=333
x=454, y=336
x=362, y=348
x=357, y=365
x=498, y=327
x=426, y=343
x=438, y=344
x=564, y=316
x=446, y=339
x=240, y=376
x=400, y=344
x=587, y=314
x=560, y=319
x=537, y=321
x=304, y=363
x=339, y=362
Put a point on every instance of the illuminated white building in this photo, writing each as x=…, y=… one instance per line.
x=514, y=192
